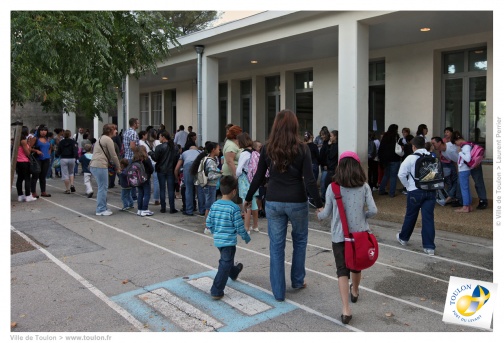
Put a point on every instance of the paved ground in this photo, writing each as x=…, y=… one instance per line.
x=120, y=274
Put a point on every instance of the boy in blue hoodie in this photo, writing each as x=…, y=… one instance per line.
x=84, y=161
x=225, y=222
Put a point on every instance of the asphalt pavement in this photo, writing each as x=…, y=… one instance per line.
x=115, y=275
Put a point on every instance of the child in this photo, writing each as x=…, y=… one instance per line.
x=84, y=161
x=260, y=199
x=126, y=197
x=242, y=171
x=357, y=196
x=225, y=222
x=143, y=195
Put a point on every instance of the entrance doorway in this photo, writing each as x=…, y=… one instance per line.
x=376, y=119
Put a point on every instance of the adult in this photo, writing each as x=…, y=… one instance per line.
x=67, y=152
x=185, y=162
x=79, y=136
x=166, y=156
x=319, y=139
x=405, y=132
x=231, y=151
x=417, y=200
x=315, y=157
x=448, y=157
x=331, y=157
x=191, y=141
x=117, y=143
x=290, y=174
x=103, y=152
x=85, y=140
x=324, y=134
x=390, y=160
x=23, y=168
x=180, y=138
x=57, y=138
x=43, y=150
x=372, y=161
x=130, y=142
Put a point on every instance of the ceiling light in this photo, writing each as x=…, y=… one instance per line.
x=254, y=62
x=425, y=29
x=165, y=77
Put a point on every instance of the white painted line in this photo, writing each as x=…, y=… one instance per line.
x=125, y=314
x=241, y=301
x=184, y=315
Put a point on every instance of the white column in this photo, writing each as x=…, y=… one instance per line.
x=353, y=60
x=209, y=101
x=132, y=99
x=98, y=125
x=69, y=122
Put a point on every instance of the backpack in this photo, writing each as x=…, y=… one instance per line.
x=135, y=174
x=428, y=173
x=202, y=174
x=252, y=165
x=371, y=148
x=477, y=155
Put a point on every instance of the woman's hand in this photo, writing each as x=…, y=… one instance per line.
x=247, y=205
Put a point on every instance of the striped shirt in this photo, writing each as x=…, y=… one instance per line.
x=225, y=222
x=129, y=135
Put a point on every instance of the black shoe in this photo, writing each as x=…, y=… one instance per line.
x=240, y=268
x=173, y=211
x=187, y=214
x=201, y=214
x=482, y=205
x=346, y=319
x=261, y=214
x=72, y=189
x=456, y=203
x=163, y=210
x=352, y=297
x=90, y=195
x=382, y=193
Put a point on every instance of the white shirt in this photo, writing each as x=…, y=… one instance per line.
x=243, y=162
x=464, y=156
x=180, y=138
x=450, y=152
x=407, y=169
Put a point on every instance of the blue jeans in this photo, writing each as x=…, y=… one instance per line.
x=279, y=214
x=126, y=198
x=210, y=193
x=101, y=177
x=226, y=269
x=390, y=173
x=479, y=182
x=167, y=179
x=464, y=187
x=323, y=186
x=189, y=192
x=425, y=201
x=201, y=200
x=143, y=196
x=155, y=186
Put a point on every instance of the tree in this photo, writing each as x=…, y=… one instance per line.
x=186, y=22
x=71, y=60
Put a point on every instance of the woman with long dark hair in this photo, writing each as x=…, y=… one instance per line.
x=23, y=168
x=290, y=169
x=43, y=146
x=390, y=160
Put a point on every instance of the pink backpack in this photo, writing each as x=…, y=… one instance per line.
x=252, y=165
x=477, y=155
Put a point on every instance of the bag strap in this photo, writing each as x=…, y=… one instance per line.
x=101, y=146
x=339, y=200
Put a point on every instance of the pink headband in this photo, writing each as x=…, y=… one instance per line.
x=350, y=154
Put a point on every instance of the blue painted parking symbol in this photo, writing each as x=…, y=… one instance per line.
x=185, y=304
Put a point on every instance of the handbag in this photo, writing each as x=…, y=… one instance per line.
x=34, y=164
x=57, y=162
x=361, y=248
x=398, y=149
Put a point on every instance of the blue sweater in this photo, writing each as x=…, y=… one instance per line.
x=225, y=222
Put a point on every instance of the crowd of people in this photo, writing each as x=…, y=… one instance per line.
x=277, y=180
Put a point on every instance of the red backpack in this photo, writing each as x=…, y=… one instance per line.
x=477, y=155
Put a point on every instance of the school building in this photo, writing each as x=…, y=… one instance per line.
x=352, y=71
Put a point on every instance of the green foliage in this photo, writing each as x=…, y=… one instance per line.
x=186, y=22
x=71, y=60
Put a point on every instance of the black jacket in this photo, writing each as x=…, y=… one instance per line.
x=386, y=151
x=315, y=155
x=67, y=148
x=332, y=157
x=166, y=158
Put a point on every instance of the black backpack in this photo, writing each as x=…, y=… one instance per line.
x=428, y=173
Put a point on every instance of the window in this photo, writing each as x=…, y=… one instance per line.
x=272, y=101
x=223, y=89
x=246, y=105
x=464, y=93
x=144, y=110
x=156, y=108
x=304, y=100
x=376, y=101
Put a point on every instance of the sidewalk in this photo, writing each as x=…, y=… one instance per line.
x=478, y=223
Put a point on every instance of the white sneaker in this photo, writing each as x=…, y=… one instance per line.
x=147, y=213
x=140, y=213
x=21, y=198
x=248, y=231
x=30, y=198
x=104, y=213
x=256, y=229
x=207, y=232
x=429, y=252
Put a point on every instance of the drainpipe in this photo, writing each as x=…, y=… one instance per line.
x=124, y=104
x=199, y=50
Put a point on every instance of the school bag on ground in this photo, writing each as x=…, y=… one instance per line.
x=202, y=174
x=477, y=155
x=135, y=174
x=428, y=173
